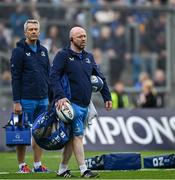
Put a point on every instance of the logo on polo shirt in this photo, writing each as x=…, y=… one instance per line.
x=88, y=60
x=43, y=53
x=28, y=54
x=71, y=58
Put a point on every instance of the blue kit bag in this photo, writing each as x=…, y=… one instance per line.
x=162, y=161
x=18, y=130
x=115, y=161
x=49, y=132
x=95, y=163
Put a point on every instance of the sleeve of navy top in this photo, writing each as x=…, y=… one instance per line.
x=56, y=72
x=105, y=90
x=16, y=71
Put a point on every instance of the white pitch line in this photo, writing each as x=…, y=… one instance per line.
x=52, y=156
x=169, y=169
x=105, y=171
x=4, y=172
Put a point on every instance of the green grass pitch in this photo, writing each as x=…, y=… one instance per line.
x=8, y=167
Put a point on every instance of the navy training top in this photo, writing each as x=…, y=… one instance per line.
x=78, y=70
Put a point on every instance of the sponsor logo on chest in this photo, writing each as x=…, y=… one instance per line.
x=28, y=54
x=71, y=59
x=43, y=53
x=88, y=60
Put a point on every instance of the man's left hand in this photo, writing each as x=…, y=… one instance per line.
x=108, y=105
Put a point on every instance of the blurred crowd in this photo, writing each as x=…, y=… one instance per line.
x=128, y=45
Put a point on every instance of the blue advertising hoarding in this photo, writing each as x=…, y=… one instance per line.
x=127, y=130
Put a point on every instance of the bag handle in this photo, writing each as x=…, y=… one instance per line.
x=11, y=122
x=23, y=119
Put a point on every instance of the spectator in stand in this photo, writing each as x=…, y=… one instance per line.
x=106, y=44
x=34, y=13
x=172, y=3
x=105, y=14
x=159, y=82
x=119, y=45
x=54, y=40
x=159, y=78
x=119, y=98
x=158, y=36
x=17, y=20
x=57, y=11
x=147, y=57
x=55, y=36
x=101, y=60
x=95, y=30
x=147, y=98
x=4, y=46
x=97, y=56
x=161, y=51
x=6, y=78
x=105, y=40
x=142, y=77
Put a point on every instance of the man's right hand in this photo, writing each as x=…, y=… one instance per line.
x=17, y=108
x=61, y=102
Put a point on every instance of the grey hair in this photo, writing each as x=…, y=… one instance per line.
x=31, y=21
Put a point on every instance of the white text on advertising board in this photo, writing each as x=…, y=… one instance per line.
x=106, y=129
